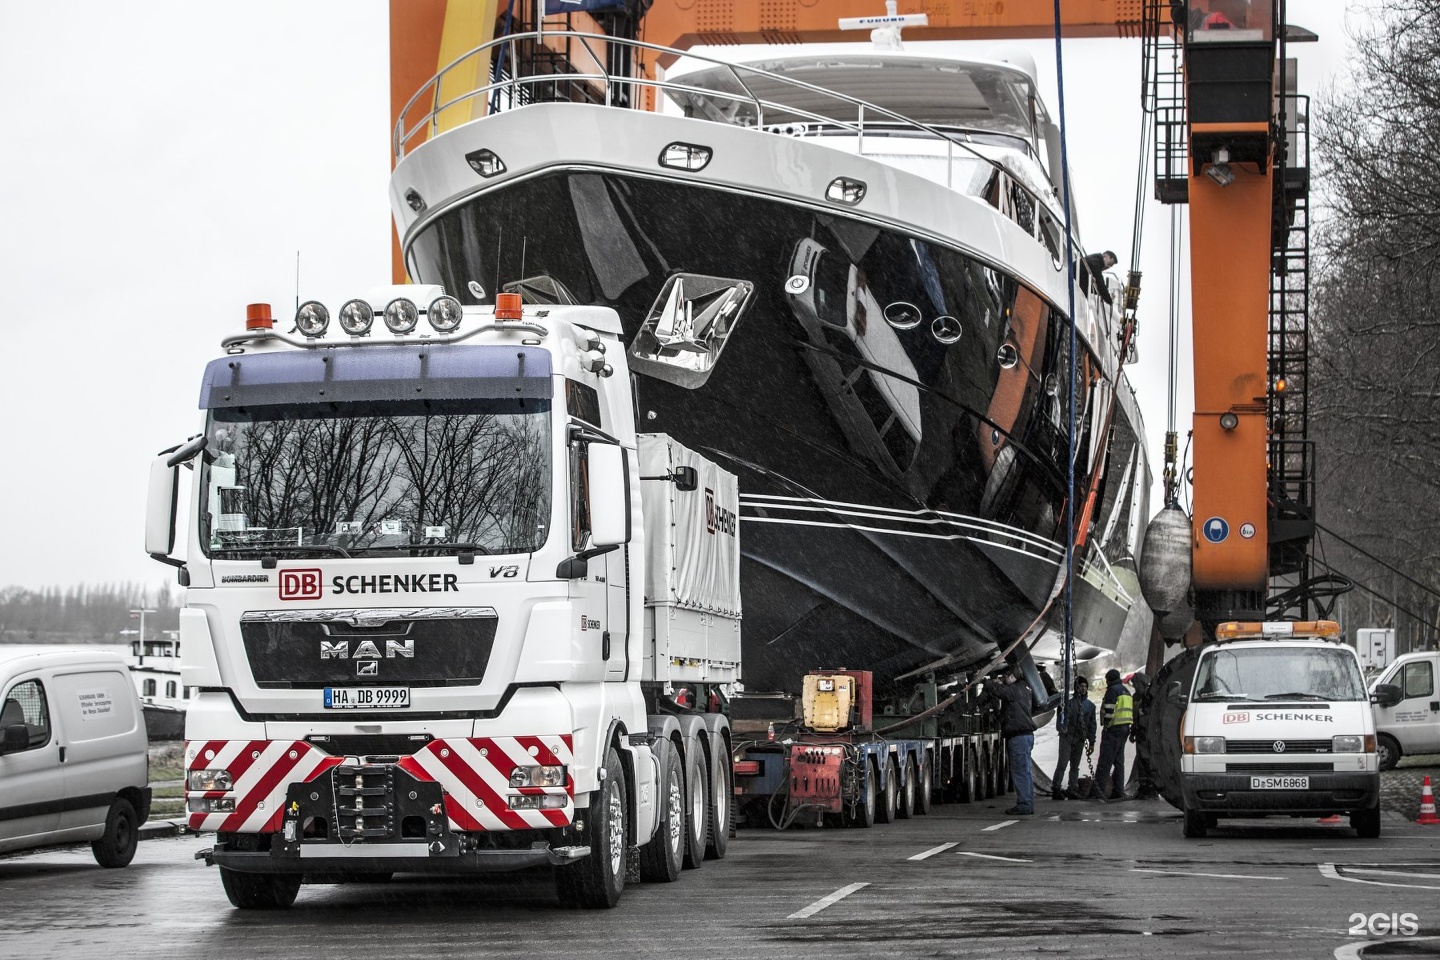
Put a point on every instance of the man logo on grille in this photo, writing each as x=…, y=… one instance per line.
x=1279, y=746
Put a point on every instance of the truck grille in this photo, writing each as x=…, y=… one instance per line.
x=416, y=647
x=1269, y=746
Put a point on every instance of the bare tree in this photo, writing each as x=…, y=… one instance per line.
x=1375, y=379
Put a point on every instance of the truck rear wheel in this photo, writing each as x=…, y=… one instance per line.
x=696, y=808
x=597, y=881
x=1195, y=824
x=663, y=857
x=717, y=839
x=1366, y=822
x=260, y=891
x=864, y=815
x=116, y=846
x=1387, y=751
x=924, y=795
x=889, y=801
x=905, y=805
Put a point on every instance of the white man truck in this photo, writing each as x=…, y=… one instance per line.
x=441, y=598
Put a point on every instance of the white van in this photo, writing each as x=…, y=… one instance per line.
x=1407, y=710
x=74, y=759
x=1277, y=720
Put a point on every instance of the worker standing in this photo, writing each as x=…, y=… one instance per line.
x=1117, y=712
x=1018, y=729
x=1077, y=732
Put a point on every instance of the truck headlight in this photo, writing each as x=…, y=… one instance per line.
x=1204, y=744
x=1352, y=743
x=211, y=780
x=547, y=776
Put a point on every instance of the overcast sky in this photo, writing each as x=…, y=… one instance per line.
x=164, y=162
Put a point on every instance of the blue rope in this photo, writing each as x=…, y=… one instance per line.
x=1069, y=645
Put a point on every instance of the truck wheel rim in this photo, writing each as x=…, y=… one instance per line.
x=697, y=807
x=617, y=829
x=677, y=815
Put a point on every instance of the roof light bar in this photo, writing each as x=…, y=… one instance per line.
x=1236, y=630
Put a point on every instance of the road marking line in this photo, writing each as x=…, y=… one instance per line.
x=824, y=902
x=1395, y=873
x=991, y=856
x=1218, y=876
x=934, y=850
x=1328, y=870
x=1356, y=950
x=997, y=826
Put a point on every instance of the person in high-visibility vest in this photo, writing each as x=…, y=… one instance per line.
x=1117, y=712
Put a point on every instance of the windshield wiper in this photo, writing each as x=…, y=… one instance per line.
x=464, y=549
x=1294, y=696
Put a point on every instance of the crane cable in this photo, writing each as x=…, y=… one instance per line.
x=1067, y=204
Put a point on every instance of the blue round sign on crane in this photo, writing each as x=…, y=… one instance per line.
x=1216, y=529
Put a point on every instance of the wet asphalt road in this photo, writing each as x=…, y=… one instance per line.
x=1080, y=879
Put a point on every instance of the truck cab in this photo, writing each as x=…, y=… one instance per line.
x=1407, y=707
x=1277, y=721
x=432, y=626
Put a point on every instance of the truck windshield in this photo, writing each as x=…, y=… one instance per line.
x=1279, y=673
x=422, y=478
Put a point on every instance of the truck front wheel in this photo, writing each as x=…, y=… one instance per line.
x=1195, y=824
x=597, y=881
x=260, y=891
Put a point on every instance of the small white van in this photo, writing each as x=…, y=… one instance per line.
x=1278, y=720
x=1407, y=707
x=74, y=759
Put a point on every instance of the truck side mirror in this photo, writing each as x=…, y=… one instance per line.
x=609, y=495
x=160, y=507
x=1386, y=694
x=16, y=738
x=686, y=479
x=1175, y=694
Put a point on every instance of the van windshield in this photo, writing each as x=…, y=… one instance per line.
x=1279, y=673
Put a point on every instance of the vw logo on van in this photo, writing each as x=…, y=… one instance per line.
x=1279, y=746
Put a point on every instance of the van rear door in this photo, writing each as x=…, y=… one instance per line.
x=105, y=745
x=32, y=782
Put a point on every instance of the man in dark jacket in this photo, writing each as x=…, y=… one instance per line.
x=1117, y=712
x=1018, y=729
x=1077, y=731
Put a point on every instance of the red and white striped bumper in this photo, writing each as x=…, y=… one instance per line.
x=473, y=773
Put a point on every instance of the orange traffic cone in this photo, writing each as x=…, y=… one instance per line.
x=1333, y=818
x=1427, y=804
